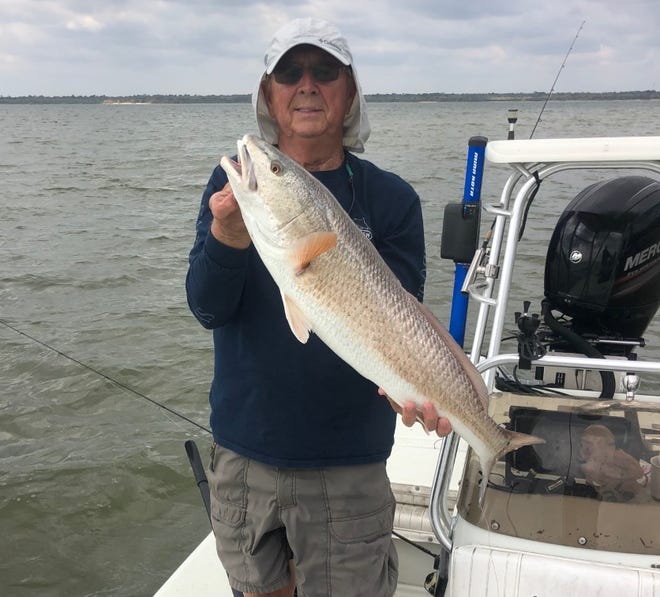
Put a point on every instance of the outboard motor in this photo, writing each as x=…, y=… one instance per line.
x=603, y=262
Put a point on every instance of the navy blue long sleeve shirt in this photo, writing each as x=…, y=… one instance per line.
x=272, y=398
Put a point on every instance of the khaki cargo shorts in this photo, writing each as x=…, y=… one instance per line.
x=335, y=523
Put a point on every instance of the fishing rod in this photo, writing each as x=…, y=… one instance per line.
x=105, y=376
x=190, y=446
x=570, y=49
x=512, y=117
x=467, y=268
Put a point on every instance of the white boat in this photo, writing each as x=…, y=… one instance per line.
x=555, y=519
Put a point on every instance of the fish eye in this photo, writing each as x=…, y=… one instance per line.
x=276, y=168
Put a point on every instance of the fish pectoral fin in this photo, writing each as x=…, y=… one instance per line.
x=308, y=248
x=297, y=320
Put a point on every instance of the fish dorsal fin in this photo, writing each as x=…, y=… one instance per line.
x=306, y=249
x=470, y=370
x=297, y=320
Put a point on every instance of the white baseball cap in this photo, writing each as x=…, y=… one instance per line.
x=326, y=36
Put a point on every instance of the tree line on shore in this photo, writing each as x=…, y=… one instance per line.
x=377, y=97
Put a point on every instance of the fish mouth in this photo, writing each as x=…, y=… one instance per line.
x=241, y=170
x=248, y=175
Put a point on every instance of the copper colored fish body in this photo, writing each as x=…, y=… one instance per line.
x=335, y=284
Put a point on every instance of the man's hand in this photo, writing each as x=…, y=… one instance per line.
x=227, y=225
x=427, y=416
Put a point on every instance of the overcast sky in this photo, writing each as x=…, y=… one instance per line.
x=126, y=47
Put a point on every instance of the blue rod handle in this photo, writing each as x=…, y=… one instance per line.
x=474, y=170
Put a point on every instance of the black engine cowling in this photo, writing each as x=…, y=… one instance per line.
x=603, y=262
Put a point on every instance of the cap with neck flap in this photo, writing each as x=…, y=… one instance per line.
x=326, y=36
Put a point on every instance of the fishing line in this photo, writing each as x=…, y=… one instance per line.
x=545, y=103
x=570, y=49
x=106, y=377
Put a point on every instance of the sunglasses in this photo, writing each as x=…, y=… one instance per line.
x=290, y=73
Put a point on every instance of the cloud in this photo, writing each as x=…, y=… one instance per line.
x=84, y=23
x=199, y=46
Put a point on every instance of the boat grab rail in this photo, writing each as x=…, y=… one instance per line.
x=531, y=162
x=505, y=240
x=441, y=522
x=551, y=360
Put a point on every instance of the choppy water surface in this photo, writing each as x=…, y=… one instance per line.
x=98, y=210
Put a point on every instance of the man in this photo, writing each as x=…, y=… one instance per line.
x=300, y=495
x=616, y=475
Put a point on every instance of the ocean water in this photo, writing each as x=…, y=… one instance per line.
x=98, y=209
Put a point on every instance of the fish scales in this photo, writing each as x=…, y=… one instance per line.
x=334, y=283
x=391, y=322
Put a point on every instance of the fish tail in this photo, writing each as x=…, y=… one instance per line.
x=518, y=440
x=515, y=440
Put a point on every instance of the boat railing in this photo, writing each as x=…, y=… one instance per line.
x=441, y=520
x=573, y=362
x=531, y=161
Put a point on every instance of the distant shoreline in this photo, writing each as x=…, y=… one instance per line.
x=377, y=97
